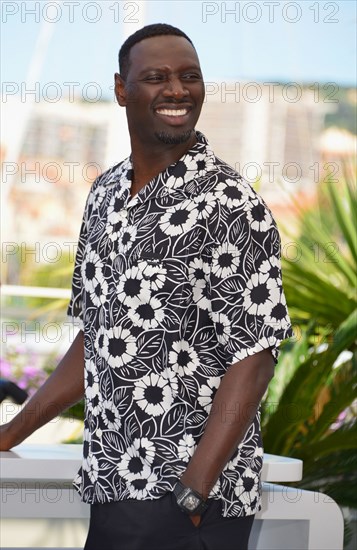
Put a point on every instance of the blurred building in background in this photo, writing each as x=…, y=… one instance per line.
x=64, y=148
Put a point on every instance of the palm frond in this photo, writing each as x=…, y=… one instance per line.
x=296, y=405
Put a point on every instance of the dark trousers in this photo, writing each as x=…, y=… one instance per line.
x=160, y=525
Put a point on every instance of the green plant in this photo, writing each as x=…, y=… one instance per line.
x=310, y=408
x=321, y=283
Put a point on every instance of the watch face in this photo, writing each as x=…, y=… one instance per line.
x=191, y=502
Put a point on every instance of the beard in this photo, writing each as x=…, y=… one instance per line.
x=171, y=139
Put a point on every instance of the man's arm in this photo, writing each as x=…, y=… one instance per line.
x=233, y=410
x=62, y=389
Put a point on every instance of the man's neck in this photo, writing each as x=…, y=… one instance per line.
x=148, y=163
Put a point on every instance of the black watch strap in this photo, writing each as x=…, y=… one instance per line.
x=189, y=500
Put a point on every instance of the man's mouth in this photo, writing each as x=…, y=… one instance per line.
x=172, y=112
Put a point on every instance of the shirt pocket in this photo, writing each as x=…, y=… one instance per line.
x=154, y=291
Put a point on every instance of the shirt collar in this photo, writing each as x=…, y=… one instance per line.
x=178, y=178
x=195, y=163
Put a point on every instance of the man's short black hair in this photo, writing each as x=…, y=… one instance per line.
x=157, y=29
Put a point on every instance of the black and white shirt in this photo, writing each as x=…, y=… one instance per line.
x=171, y=287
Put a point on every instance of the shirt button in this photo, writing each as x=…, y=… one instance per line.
x=124, y=213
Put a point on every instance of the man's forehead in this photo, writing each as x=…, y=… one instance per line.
x=158, y=48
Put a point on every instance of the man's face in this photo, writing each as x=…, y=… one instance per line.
x=163, y=91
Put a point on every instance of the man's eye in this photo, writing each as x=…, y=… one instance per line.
x=154, y=78
x=192, y=76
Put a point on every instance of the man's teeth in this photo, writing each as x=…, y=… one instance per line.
x=172, y=112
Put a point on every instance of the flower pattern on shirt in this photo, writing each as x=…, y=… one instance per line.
x=186, y=447
x=171, y=287
x=139, y=454
x=154, y=394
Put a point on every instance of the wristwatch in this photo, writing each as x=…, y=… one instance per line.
x=189, y=501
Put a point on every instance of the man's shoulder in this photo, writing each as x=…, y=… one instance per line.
x=110, y=176
x=235, y=196
x=224, y=175
x=227, y=170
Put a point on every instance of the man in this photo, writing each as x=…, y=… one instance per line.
x=177, y=287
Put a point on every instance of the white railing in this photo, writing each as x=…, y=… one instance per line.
x=22, y=326
x=35, y=291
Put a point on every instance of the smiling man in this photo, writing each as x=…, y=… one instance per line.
x=177, y=288
x=162, y=89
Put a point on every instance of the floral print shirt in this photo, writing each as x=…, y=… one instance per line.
x=171, y=287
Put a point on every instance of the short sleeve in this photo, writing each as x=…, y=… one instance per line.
x=248, y=304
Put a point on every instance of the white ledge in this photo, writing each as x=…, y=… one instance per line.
x=60, y=463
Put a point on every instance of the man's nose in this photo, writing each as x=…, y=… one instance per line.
x=175, y=88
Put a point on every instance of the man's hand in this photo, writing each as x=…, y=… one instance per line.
x=63, y=388
x=5, y=438
x=196, y=520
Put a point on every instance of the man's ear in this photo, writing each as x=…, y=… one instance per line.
x=119, y=88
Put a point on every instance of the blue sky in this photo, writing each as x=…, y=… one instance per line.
x=304, y=41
